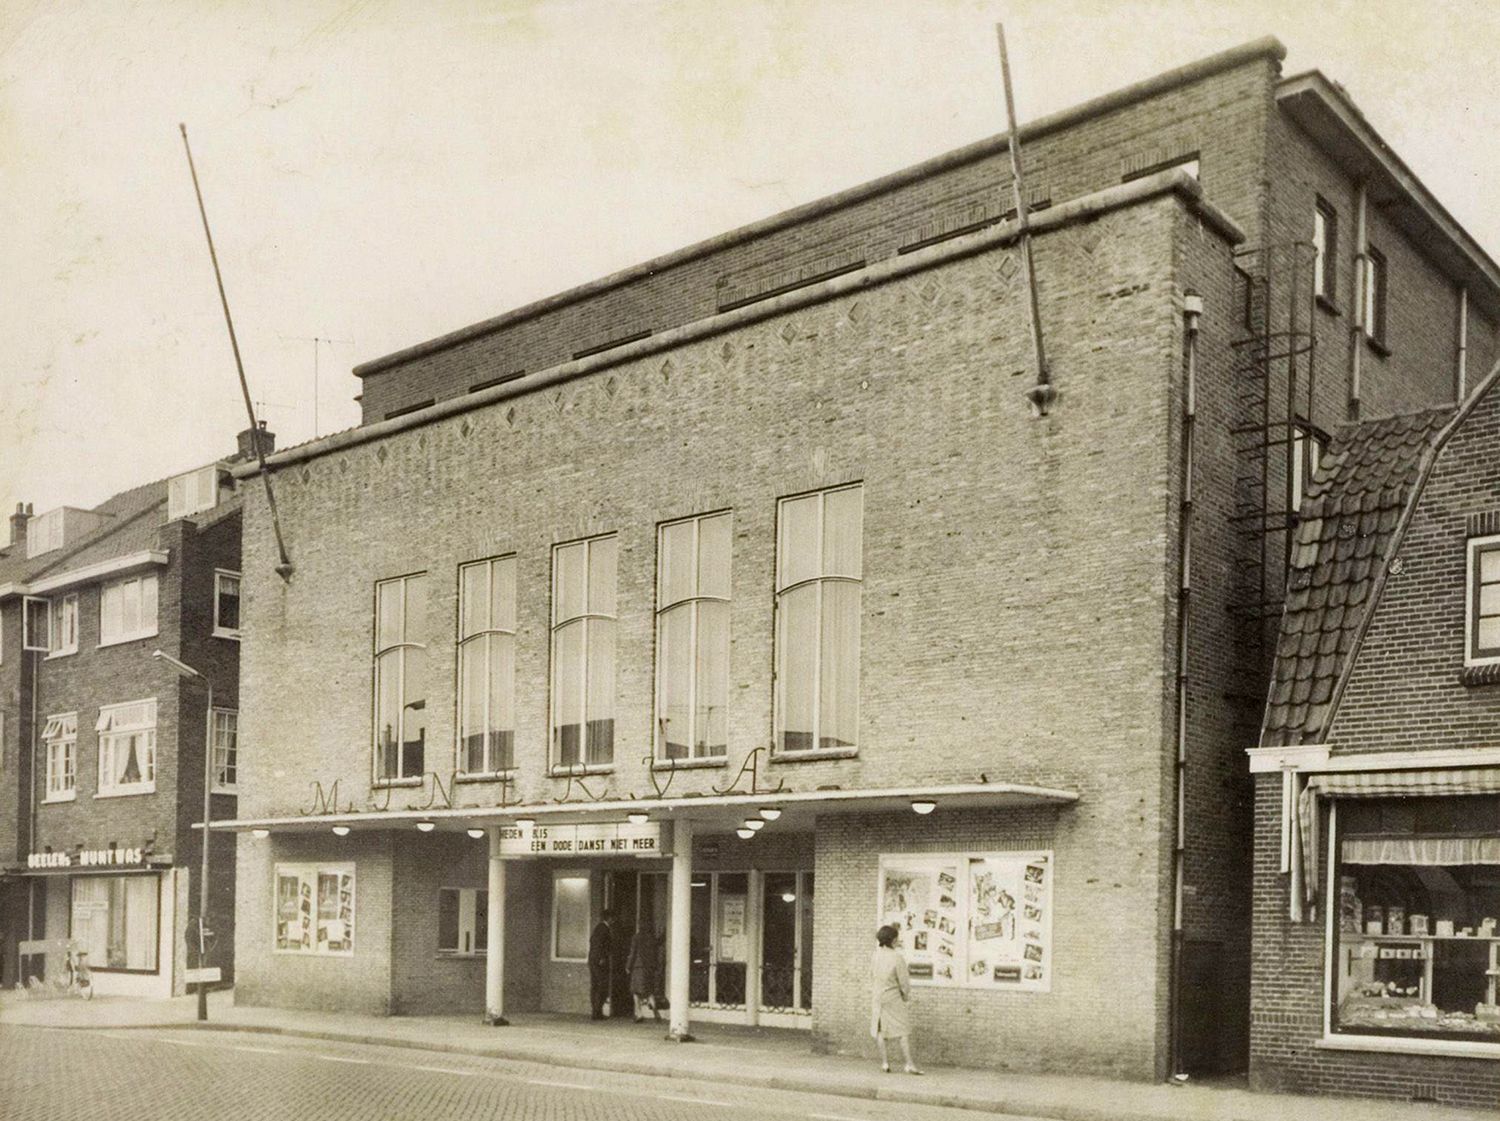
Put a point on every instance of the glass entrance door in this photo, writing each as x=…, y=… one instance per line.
x=786, y=946
x=720, y=940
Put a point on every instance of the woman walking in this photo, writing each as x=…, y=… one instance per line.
x=890, y=998
x=643, y=974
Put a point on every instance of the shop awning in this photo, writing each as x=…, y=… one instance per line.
x=1433, y=783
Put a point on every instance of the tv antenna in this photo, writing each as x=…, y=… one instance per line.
x=317, y=341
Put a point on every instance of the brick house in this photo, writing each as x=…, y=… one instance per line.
x=743, y=594
x=1376, y=951
x=102, y=763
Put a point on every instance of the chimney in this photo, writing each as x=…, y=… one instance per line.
x=248, y=439
x=18, y=522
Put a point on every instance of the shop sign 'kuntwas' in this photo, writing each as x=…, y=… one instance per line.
x=88, y=858
x=974, y=920
x=647, y=839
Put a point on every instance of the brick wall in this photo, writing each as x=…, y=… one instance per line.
x=1012, y=565
x=1405, y=691
x=1222, y=116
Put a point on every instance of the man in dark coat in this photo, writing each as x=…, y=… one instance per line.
x=601, y=964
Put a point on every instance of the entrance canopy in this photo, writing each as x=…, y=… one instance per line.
x=787, y=809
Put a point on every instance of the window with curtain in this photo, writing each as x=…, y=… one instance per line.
x=463, y=917
x=61, y=737
x=315, y=908
x=583, y=652
x=400, y=745
x=127, y=609
x=226, y=748
x=1482, y=627
x=114, y=918
x=1415, y=945
x=487, y=666
x=64, y=626
x=1325, y=248
x=227, y=604
x=127, y=748
x=692, y=637
x=819, y=572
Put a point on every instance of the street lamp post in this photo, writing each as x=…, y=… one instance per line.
x=208, y=772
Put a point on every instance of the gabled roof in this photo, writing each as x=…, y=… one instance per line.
x=1357, y=510
x=1353, y=508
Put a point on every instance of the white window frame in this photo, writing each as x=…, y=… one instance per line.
x=692, y=605
x=1374, y=295
x=308, y=873
x=110, y=734
x=144, y=628
x=395, y=655
x=192, y=492
x=1307, y=456
x=472, y=902
x=226, y=755
x=60, y=740
x=480, y=642
x=220, y=576
x=64, y=626
x=778, y=706
x=44, y=533
x=36, y=624
x=571, y=874
x=591, y=622
x=1476, y=547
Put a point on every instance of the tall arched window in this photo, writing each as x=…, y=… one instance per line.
x=487, y=666
x=401, y=677
x=692, y=638
x=583, y=652
x=819, y=571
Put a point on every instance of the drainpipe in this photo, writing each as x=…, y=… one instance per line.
x=1463, y=344
x=1192, y=310
x=1361, y=285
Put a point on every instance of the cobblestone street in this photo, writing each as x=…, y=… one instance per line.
x=135, y=1075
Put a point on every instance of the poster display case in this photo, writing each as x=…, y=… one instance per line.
x=975, y=920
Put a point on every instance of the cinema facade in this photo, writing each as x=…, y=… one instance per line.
x=758, y=596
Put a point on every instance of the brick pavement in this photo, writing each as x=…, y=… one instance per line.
x=763, y=1060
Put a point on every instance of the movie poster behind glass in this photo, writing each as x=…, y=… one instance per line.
x=981, y=920
x=920, y=896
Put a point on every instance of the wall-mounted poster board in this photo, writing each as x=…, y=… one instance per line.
x=978, y=920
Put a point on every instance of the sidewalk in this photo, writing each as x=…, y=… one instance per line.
x=744, y=1056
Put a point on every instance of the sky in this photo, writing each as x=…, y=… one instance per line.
x=381, y=172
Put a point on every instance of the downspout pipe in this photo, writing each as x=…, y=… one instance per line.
x=1192, y=311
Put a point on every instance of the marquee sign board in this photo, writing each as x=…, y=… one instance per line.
x=88, y=858
x=605, y=839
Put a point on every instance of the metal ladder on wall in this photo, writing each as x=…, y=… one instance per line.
x=1273, y=384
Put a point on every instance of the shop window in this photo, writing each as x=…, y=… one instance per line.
x=692, y=638
x=572, y=912
x=64, y=626
x=115, y=919
x=127, y=748
x=818, y=576
x=487, y=666
x=972, y=920
x=226, y=749
x=583, y=653
x=127, y=610
x=61, y=738
x=226, y=604
x=315, y=908
x=1416, y=945
x=1482, y=628
x=401, y=678
x=463, y=916
x=1325, y=249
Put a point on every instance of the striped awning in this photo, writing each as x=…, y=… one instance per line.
x=1371, y=784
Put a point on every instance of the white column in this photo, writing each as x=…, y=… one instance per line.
x=754, y=939
x=494, y=958
x=678, y=945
